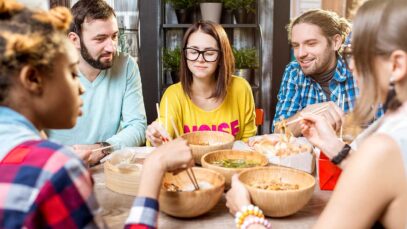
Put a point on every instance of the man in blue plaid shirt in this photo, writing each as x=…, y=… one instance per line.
x=318, y=80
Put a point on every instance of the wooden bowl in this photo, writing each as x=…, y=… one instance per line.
x=187, y=204
x=209, y=158
x=202, y=142
x=283, y=202
x=123, y=178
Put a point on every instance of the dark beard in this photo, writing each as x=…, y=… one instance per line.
x=96, y=63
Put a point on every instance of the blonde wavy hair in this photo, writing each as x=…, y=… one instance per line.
x=29, y=37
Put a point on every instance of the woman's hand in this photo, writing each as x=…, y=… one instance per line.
x=156, y=134
x=238, y=196
x=320, y=133
x=173, y=156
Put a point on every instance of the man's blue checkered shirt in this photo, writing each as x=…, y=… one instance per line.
x=298, y=90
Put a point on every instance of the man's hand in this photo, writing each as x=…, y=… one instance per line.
x=329, y=110
x=89, y=153
x=174, y=156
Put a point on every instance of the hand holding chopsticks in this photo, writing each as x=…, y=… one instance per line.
x=189, y=171
x=332, y=113
x=316, y=112
x=156, y=134
x=191, y=177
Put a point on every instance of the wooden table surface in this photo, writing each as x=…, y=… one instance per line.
x=115, y=209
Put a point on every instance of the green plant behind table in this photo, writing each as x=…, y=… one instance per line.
x=245, y=58
x=172, y=59
x=182, y=4
x=248, y=5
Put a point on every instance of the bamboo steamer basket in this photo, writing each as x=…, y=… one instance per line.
x=209, y=158
x=279, y=203
x=188, y=204
x=124, y=179
x=217, y=140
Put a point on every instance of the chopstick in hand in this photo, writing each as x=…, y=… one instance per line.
x=315, y=112
x=193, y=180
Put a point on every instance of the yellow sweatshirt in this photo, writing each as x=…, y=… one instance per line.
x=235, y=115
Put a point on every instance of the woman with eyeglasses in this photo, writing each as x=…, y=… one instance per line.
x=208, y=98
x=372, y=189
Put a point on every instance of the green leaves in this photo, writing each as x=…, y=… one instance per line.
x=182, y=4
x=172, y=59
x=245, y=58
x=248, y=5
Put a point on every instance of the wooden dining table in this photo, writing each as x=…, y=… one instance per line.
x=116, y=207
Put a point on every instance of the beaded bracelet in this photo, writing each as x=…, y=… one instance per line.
x=251, y=210
x=255, y=220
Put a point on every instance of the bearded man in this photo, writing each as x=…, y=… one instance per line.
x=113, y=111
x=318, y=80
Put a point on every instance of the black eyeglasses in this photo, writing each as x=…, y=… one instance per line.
x=208, y=55
x=347, y=54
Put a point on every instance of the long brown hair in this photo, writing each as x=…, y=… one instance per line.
x=226, y=64
x=29, y=38
x=329, y=22
x=379, y=29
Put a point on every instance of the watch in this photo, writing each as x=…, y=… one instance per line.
x=341, y=155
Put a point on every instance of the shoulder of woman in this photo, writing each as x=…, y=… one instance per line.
x=239, y=83
x=379, y=148
x=174, y=91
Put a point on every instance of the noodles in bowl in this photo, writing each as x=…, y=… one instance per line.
x=278, y=191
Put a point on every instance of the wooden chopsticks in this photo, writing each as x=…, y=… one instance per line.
x=189, y=171
x=316, y=111
x=192, y=178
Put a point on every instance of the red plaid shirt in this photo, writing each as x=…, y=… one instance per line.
x=44, y=185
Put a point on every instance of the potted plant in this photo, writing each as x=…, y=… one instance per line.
x=184, y=9
x=246, y=60
x=211, y=10
x=243, y=9
x=227, y=13
x=171, y=60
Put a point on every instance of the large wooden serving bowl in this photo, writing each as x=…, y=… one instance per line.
x=202, y=142
x=189, y=204
x=209, y=158
x=279, y=203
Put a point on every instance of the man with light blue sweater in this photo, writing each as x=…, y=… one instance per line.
x=113, y=111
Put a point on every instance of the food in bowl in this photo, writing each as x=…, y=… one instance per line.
x=170, y=187
x=236, y=163
x=278, y=203
x=190, y=202
x=280, y=146
x=274, y=185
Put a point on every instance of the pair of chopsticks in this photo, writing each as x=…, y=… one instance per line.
x=190, y=171
x=102, y=148
x=315, y=112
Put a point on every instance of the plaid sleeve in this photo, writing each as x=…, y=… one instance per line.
x=288, y=95
x=66, y=200
x=143, y=214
